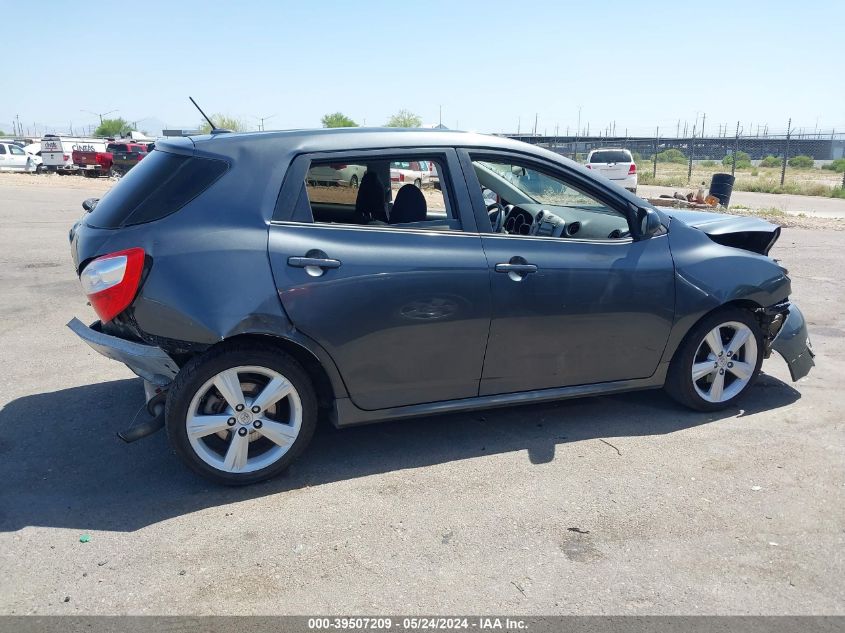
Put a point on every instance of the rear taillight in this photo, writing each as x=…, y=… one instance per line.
x=588, y=166
x=632, y=169
x=111, y=281
x=66, y=157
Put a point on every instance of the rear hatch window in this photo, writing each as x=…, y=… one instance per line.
x=157, y=186
x=610, y=156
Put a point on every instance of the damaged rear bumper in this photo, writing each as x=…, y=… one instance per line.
x=793, y=343
x=147, y=361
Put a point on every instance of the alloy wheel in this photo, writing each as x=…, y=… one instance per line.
x=724, y=362
x=244, y=419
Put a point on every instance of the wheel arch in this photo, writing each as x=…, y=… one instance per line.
x=678, y=340
x=327, y=381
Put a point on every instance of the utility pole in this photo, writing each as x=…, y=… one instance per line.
x=786, y=153
x=535, y=124
x=678, y=129
x=691, y=154
x=703, y=119
x=440, y=116
x=101, y=115
x=262, y=119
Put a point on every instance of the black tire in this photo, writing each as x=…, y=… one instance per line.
x=679, y=383
x=199, y=370
x=353, y=182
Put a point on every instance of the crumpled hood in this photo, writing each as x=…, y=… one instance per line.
x=751, y=234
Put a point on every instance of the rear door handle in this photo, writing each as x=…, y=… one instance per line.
x=318, y=262
x=519, y=269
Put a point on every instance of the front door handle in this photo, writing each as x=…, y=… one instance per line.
x=319, y=262
x=315, y=262
x=517, y=268
x=522, y=269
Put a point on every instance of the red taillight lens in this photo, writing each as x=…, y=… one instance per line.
x=337, y=166
x=401, y=177
x=111, y=281
x=632, y=169
x=66, y=157
x=588, y=166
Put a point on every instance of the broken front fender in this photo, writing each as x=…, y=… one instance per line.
x=793, y=343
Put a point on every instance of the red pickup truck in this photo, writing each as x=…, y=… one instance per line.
x=115, y=161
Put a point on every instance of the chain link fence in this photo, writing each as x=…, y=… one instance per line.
x=771, y=162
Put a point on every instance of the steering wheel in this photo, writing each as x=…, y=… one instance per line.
x=496, y=213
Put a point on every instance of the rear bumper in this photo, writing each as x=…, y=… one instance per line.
x=793, y=343
x=147, y=361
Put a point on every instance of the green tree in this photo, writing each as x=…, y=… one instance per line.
x=223, y=122
x=337, y=119
x=771, y=161
x=404, y=118
x=113, y=127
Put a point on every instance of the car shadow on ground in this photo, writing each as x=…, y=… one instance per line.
x=69, y=469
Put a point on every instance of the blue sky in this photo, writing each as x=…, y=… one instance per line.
x=489, y=64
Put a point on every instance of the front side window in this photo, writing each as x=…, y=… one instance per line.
x=379, y=192
x=17, y=151
x=525, y=201
x=2, y=149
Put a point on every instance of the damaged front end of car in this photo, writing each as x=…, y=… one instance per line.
x=782, y=324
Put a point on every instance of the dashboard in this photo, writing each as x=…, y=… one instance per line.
x=560, y=221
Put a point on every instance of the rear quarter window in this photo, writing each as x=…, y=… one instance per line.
x=156, y=187
x=610, y=156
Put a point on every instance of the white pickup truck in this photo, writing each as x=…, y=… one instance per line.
x=57, y=151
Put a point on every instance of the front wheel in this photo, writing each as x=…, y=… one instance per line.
x=717, y=362
x=240, y=414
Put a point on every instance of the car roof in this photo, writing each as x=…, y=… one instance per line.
x=345, y=139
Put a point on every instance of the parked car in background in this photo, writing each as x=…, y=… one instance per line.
x=614, y=164
x=414, y=172
x=57, y=151
x=34, y=151
x=248, y=310
x=125, y=156
x=13, y=157
x=93, y=163
x=337, y=174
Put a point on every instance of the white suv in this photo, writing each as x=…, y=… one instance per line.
x=614, y=164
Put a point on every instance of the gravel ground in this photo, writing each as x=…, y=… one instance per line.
x=611, y=505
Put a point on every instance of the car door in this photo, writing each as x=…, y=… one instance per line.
x=403, y=310
x=571, y=310
x=5, y=157
x=17, y=158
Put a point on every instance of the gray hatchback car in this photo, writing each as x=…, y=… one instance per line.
x=252, y=297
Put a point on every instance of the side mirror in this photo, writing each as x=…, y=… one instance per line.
x=89, y=204
x=518, y=171
x=648, y=222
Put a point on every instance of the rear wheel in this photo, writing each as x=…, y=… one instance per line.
x=353, y=182
x=240, y=414
x=418, y=183
x=717, y=362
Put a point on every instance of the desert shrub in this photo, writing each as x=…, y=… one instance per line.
x=671, y=156
x=742, y=160
x=755, y=172
x=801, y=162
x=708, y=163
x=838, y=165
x=771, y=161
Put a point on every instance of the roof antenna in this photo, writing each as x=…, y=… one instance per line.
x=214, y=128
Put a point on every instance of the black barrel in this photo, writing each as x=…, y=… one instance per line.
x=721, y=187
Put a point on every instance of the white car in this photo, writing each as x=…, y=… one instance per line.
x=417, y=173
x=14, y=158
x=336, y=174
x=616, y=165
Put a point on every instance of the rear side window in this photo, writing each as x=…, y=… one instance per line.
x=117, y=148
x=610, y=156
x=157, y=186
